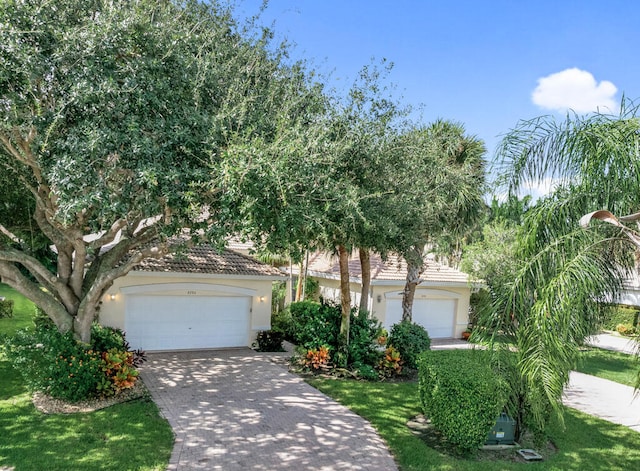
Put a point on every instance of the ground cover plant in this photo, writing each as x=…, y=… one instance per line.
x=586, y=443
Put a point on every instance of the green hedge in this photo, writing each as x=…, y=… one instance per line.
x=461, y=394
x=617, y=315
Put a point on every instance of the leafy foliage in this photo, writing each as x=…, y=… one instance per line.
x=461, y=394
x=269, y=341
x=391, y=363
x=119, y=119
x=60, y=366
x=318, y=324
x=317, y=358
x=410, y=340
x=616, y=315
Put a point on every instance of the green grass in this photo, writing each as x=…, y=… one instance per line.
x=23, y=311
x=587, y=442
x=614, y=366
x=128, y=436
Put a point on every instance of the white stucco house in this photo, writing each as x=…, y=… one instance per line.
x=441, y=301
x=200, y=299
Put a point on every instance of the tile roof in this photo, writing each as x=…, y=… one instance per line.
x=394, y=268
x=206, y=259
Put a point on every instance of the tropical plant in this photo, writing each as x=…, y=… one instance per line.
x=556, y=297
x=437, y=192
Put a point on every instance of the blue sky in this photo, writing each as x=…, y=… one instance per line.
x=486, y=64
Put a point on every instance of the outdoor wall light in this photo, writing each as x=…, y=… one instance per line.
x=262, y=299
x=379, y=298
x=112, y=297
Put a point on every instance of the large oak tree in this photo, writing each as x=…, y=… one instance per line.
x=114, y=117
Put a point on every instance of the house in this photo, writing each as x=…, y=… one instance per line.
x=441, y=302
x=198, y=299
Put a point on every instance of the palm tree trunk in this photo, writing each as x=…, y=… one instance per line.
x=415, y=268
x=365, y=269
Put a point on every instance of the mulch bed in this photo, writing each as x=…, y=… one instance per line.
x=50, y=405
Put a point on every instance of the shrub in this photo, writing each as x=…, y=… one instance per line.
x=282, y=321
x=461, y=394
x=410, y=340
x=364, y=347
x=624, y=329
x=6, y=308
x=616, y=315
x=317, y=359
x=315, y=324
x=391, y=363
x=367, y=372
x=40, y=319
x=60, y=366
x=269, y=341
x=107, y=338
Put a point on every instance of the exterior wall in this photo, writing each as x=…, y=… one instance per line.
x=330, y=289
x=380, y=293
x=112, y=311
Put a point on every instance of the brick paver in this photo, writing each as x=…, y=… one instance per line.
x=237, y=410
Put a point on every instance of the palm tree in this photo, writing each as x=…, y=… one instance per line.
x=566, y=270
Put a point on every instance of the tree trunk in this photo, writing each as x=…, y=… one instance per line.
x=300, y=281
x=415, y=268
x=345, y=301
x=365, y=269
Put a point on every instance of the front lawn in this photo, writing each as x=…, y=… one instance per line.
x=128, y=436
x=587, y=443
x=23, y=311
x=614, y=366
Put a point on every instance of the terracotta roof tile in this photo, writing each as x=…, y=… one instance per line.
x=391, y=269
x=206, y=259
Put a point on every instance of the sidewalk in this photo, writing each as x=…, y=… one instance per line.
x=602, y=398
x=615, y=343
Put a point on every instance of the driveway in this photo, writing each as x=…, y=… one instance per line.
x=237, y=410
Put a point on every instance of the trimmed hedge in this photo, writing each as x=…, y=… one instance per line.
x=461, y=394
x=410, y=340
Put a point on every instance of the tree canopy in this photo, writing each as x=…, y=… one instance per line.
x=115, y=117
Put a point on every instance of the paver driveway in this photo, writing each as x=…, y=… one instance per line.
x=237, y=410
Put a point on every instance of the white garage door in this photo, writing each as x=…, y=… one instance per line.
x=435, y=315
x=187, y=322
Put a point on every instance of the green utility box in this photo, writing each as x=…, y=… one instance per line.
x=503, y=432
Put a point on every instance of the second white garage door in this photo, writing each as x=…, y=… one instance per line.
x=155, y=322
x=435, y=315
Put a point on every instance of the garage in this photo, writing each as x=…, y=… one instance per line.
x=437, y=315
x=156, y=322
x=201, y=298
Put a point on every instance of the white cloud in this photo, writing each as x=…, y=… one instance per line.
x=538, y=189
x=577, y=90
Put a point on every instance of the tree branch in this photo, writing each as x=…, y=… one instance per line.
x=10, y=275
